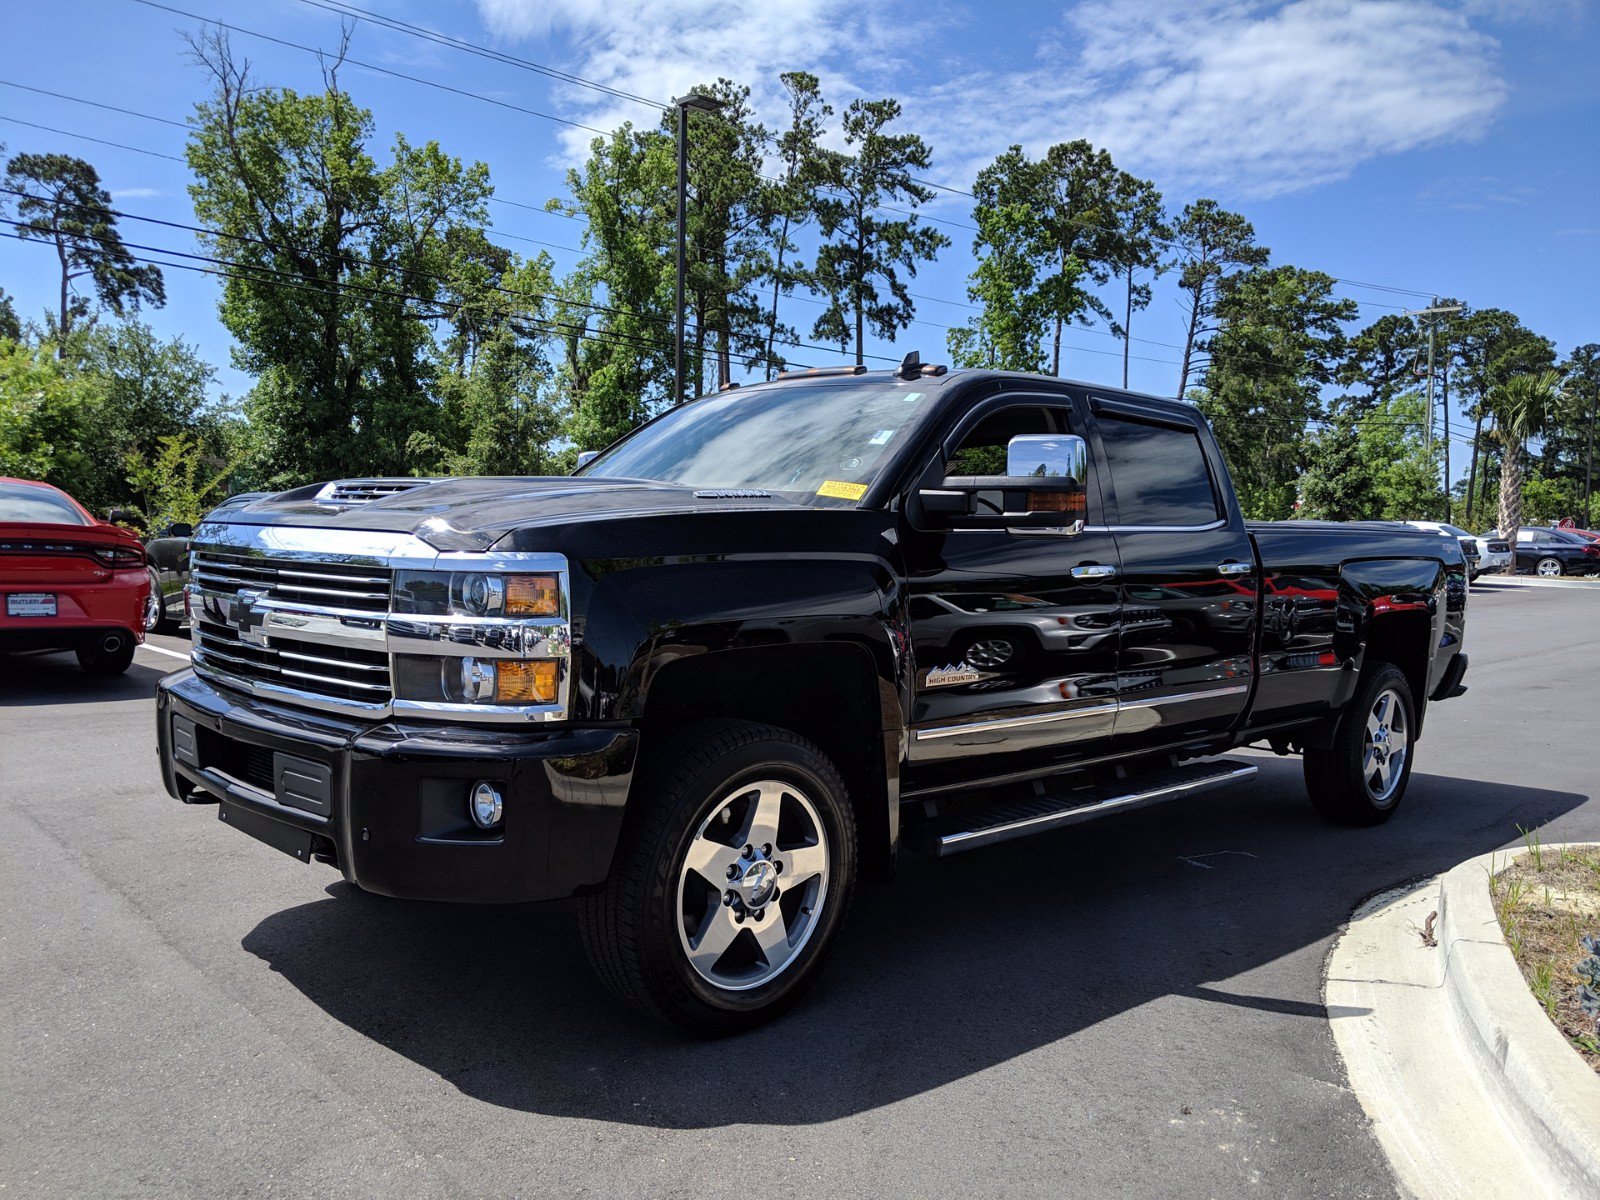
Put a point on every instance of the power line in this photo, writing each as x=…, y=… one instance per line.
x=367, y=66
x=92, y=103
x=443, y=39
x=518, y=204
x=559, y=211
x=85, y=137
x=343, y=8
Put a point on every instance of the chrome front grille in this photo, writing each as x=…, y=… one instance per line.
x=325, y=584
x=338, y=672
x=306, y=617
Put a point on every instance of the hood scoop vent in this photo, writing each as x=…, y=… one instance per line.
x=733, y=494
x=347, y=493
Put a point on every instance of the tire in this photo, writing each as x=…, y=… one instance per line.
x=157, y=620
x=1347, y=782
x=97, y=660
x=638, y=930
x=1549, y=568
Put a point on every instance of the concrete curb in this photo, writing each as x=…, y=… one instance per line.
x=1533, y=581
x=1545, y=1092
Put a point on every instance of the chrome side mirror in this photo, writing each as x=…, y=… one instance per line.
x=1047, y=456
x=585, y=457
x=1043, y=488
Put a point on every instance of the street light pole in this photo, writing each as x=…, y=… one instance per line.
x=707, y=104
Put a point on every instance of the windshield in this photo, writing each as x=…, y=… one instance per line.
x=817, y=442
x=18, y=502
x=1456, y=531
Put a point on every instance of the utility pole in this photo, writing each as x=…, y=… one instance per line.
x=1427, y=437
x=1436, y=310
x=706, y=104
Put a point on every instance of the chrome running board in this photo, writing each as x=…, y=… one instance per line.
x=1037, y=814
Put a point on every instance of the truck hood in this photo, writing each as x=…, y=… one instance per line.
x=472, y=514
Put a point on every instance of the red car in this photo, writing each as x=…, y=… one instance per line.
x=67, y=581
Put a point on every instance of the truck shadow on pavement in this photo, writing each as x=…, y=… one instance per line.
x=955, y=967
x=55, y=678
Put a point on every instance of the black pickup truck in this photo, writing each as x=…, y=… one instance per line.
x=749, y=652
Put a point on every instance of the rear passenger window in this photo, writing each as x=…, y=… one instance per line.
x=1159, y=473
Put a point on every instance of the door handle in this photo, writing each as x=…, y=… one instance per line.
x=1094, y=571
x=1235, y=568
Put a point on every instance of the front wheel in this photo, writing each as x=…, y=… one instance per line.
x=731, y=879
x=1361, y=778
x=1549, y=568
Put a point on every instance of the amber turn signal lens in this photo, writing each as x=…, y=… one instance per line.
x=525, y=682
x=1061, y=502
x=532, y=596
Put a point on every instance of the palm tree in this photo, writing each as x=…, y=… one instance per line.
x=1523, y=407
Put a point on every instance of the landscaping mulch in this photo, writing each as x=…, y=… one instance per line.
x=1548, y=902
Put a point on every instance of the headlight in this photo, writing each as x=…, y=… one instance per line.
x=476, y=594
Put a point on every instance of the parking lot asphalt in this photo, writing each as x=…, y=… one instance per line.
x=1131, y=1006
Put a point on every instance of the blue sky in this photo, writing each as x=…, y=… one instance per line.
x=1448, y=146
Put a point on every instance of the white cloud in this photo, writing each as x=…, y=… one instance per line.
x=1245, y=98
x=658, y=49
x=135, y=193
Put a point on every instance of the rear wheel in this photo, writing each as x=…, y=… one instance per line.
x=1361, y=778
x=1549, y=568
x=156, y=619
x=111, y=654
x=731, y=879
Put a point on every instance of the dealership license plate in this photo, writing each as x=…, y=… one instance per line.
x=31, y=604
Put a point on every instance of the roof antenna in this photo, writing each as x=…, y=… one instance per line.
x=910, y=366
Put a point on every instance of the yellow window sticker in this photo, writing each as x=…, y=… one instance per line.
x=842, y=491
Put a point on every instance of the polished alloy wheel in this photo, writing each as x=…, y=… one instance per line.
x=1549, y=567
x=752, y=885
x=152, y=606
x=990, y=654
x=1387, y=742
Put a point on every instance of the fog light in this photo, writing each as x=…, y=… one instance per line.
x=485, y=804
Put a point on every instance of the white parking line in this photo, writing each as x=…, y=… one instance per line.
x=163, y=650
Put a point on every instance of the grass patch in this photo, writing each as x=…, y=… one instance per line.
x=1548, y=903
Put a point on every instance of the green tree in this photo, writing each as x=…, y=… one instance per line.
x=335, y=265
x=731, y=231
x=10, y=323
x=175, y=480
x=1337, y=484
x=1582, y=388
x=501, y=409
x=1279, y=340
x=59, y=200
x=44, y=411
x=616, y=357
x=1482, y=349
x=1079, y=237
x=1211, y=243
x=805, y=167
x=1009, y=329
x=1523, y=406
x=865, y=252
x=1138, y=246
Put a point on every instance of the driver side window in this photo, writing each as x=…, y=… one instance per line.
x=983, y=449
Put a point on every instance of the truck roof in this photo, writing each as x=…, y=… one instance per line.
x=970, y=375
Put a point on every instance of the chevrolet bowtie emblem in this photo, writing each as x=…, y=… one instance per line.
x=246, y=618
